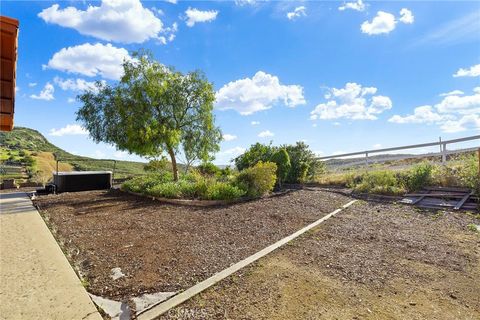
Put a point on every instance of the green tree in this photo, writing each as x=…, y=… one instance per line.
x=153, y=109
x=256, y=153
x=282, y=160
x=303, y=161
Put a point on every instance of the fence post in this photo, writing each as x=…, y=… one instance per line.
x=113, y=173
x=444, y=153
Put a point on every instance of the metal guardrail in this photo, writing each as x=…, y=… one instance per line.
x=442, y=144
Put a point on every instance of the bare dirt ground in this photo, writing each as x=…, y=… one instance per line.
x=371, y=261
x=162, y=247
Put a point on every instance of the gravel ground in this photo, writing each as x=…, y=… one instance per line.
x=162, y=247
x=371, y=261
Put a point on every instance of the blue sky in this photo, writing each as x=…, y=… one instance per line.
x=342, y=76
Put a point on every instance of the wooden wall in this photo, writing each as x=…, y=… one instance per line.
x=9, y=33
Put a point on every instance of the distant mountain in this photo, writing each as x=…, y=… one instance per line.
x=29, y=149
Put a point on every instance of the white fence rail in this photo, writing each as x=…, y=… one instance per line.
x=443, y=153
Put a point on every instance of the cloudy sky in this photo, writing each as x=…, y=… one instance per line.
x=341, y=76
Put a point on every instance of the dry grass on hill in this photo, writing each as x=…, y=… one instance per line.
x=46, y=164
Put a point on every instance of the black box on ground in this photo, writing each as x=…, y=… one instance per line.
x=82, y=180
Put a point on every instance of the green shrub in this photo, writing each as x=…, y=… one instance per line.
x=209, y=169
x=142, y=183
x=304, y=164
x=282, y=160
x=381, y=182
x=445, y=176
x=419, y=176
x=166, y=190
x=257, y=180
x=191, y=186
x=223, y=191
x=157, y=165
x=225, y=173
x=468, y=173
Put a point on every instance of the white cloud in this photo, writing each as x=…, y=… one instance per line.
x=461, y=30
x=17, y=88
x=170, y=34
x=32, y=84
x=406, y=16
x=70, y=100
x=377, y=146
x=74, y=84
x=266, y=134
x=471, y=121
x=245, y=2
x=69, y=129
x=460, y=104
x=125, y=21
x=298, y=12
x=91, y=60
x=46, y=94
x=261, y=92
x=352, y=102
x=255, y=123
x=194, y=15
x=473, y=71
x=454, y=113
x=385, y=22
x=225, y=156
x=452, y=93
x=358, y=5
x=423, y=114
x=171, y=1
x=229, y=137
x=234, y=151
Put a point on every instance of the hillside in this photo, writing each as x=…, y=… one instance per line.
x=26, y=154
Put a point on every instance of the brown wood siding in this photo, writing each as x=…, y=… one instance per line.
x=8, y=64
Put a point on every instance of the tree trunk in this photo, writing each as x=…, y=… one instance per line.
x=174, y=163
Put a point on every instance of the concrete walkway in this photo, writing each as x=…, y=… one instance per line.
x=36, y=280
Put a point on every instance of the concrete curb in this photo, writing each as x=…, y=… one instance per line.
x=159, y=309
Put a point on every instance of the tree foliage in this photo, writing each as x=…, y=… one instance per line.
x=303, y=163
x=256, y=153
x=282, y=160
x=153, y=110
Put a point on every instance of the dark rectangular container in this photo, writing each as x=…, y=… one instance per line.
x=82, y=180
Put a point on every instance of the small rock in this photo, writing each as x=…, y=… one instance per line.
x=412, y=303
x=117, y=273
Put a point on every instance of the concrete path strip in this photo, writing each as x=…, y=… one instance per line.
x=163, y=307
x=36, y=280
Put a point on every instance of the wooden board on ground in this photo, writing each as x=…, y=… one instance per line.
x=443, y=198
